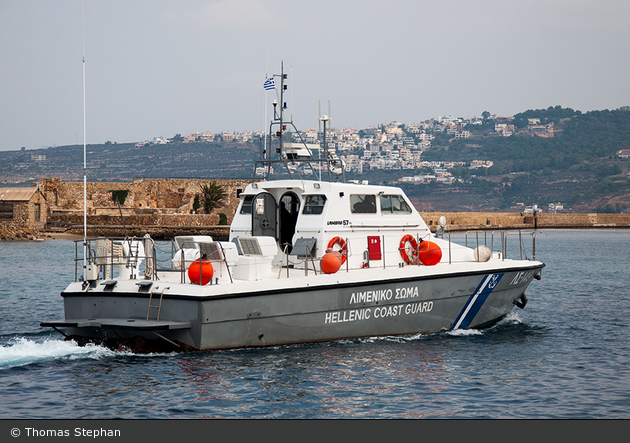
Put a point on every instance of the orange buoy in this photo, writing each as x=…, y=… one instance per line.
x=330, y=262
x=429, y=253
x=200, y=272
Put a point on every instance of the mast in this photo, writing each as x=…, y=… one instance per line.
x=292, y=155
x=282, y=107
x=278, y=117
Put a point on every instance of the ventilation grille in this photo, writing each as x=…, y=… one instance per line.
x=211, y=250
x=249, y=246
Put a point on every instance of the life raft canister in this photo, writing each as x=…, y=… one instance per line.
x=409, y=258
x=200, y=271
x=342, y=244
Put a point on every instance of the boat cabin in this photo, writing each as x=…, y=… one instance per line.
x=309, y=218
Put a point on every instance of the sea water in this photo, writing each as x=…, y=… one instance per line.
x=566, y=355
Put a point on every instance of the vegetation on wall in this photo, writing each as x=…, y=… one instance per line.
x=196, y=205
x=119, y=196
x=212, y=196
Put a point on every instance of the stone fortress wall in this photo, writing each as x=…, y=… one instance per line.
x=163, y=208
x=149, y=202
x=462, y=221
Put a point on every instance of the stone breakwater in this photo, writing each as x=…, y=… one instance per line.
x=218, y=233
x=465, y=221
x=166, y=227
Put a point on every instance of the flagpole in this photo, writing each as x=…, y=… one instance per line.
x=269, y=84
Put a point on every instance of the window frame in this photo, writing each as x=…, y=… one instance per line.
x=248, y=202
x=391, y=210
x=367, y=205
x=7, y=211
x=314, y=209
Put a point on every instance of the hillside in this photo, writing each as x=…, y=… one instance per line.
x=578, y=166
x=573, y=161
x=576, y=138
x=125, y=161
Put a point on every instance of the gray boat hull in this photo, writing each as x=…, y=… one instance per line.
x=275, y=315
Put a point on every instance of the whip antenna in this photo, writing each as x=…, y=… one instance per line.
x=84, y=151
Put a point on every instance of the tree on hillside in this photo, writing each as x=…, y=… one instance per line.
x=213, y=196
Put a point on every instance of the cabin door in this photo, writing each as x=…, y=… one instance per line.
x=289, y=210
x=264, y=215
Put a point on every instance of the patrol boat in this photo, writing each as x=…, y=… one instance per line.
x=307, y=260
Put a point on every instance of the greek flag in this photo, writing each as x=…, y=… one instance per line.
x=269, y=84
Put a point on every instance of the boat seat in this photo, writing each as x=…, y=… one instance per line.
x=108, y=254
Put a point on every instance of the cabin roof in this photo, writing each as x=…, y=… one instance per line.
x=317, y=187
x=17, y=194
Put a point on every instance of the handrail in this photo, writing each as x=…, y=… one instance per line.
x=532, y=233
x=110, y=256
x=284, y=254
x=197, y=244
x=504, y=241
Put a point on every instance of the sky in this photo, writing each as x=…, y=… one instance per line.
x=165, y=67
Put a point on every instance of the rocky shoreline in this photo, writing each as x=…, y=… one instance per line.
x=21, y=234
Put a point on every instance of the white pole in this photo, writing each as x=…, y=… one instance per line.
x=264, y=129
x=84, y=155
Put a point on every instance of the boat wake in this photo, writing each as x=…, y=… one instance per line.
x=511, y=320
x=464, y=332
x=22, y=351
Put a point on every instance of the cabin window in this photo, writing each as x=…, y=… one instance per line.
x=314, y=204
x=394, y=204
x=363, y=204
x=246, y=208
x=6, y=211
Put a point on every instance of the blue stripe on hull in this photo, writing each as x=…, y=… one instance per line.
x=476, y=301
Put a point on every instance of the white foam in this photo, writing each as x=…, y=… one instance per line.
x=22, y=351
x=465, y=332
x=513, y=318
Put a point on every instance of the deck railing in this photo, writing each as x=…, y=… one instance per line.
x=113, y=256
x=503, y=237
x=139, y=258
